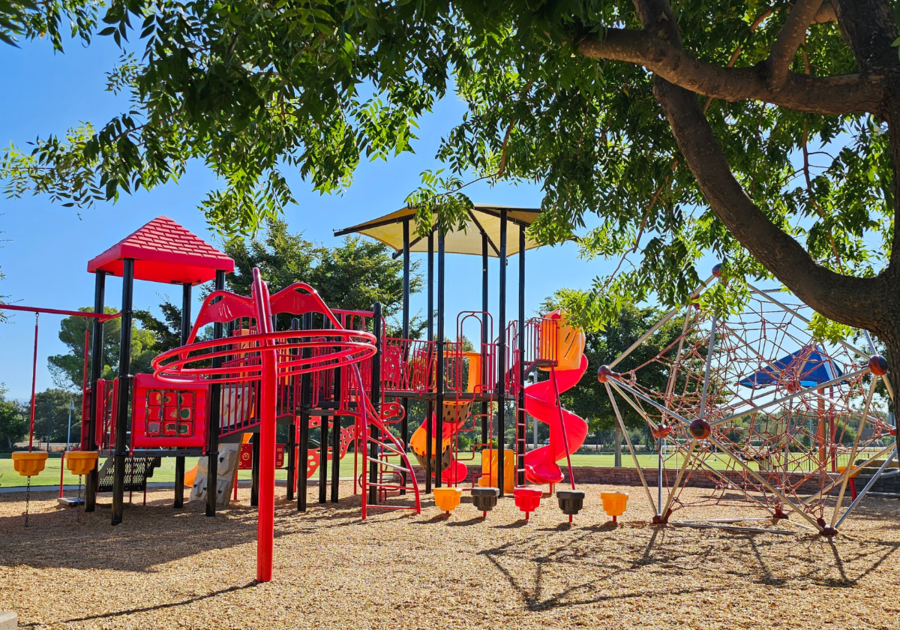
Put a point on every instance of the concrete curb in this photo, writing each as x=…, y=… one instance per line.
x=8, y=620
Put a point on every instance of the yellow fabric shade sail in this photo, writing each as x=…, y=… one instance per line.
x=482, y=219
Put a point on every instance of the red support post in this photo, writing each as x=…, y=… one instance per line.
x=268, y=391
x=33, y=381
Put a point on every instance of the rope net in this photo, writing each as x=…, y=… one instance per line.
x=788, y=415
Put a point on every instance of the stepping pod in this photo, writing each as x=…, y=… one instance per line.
x=614, y=503
x=81, y=462
x=527, y=499
x=485, y=499
x=447, y=499
x=29, y=463
x=570, y=501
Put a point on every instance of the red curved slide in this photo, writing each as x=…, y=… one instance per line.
x=540, y=402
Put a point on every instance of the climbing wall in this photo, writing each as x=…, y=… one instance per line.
x=227, y=465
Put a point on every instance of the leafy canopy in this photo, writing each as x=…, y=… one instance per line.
x=554, y=95
x=352, y=276
x=67, y=370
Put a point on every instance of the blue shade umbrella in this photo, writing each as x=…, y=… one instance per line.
x=808, y=366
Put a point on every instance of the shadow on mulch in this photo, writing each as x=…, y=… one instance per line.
x=132, y=611
x=778, y=562
x=154, y=534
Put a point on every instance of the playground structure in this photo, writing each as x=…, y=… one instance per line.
x=288, y=359
x=468, y=390
x=759, y=411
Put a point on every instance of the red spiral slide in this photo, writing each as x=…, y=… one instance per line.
x=541, y=402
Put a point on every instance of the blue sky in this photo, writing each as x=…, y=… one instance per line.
x=45, y=255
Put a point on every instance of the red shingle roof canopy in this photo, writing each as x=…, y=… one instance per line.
x=164, y=251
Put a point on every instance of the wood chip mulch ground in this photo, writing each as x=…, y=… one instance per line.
x=164, y=568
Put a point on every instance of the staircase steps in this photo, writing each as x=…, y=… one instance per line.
x=137, y=471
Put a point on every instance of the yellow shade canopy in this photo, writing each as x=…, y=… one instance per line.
x=482, y=219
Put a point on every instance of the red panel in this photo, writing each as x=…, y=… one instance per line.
x=245, y=462
x=229, y=308
x=164, y=251
x=290, y=300
x=168, y=415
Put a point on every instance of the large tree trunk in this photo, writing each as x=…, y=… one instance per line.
x=869, y=303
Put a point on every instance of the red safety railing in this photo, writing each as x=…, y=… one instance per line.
x=409, y=365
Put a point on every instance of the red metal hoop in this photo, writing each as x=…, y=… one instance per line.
x=346, y=347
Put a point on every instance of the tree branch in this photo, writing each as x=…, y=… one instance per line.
x=845, y=94
x=869, y=29
x=852, y=301
x=825, y=14
x=791, y=35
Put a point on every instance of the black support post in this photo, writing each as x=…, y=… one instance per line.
x=336, y=440
x=292, y=431
x=122, y=423
x=501, y=359
x=429, y=412
x=485, y=333
x=376, y=402
x=520, y=372
x=323, y=458
x=404, y=424
x=215, y=408
x=439, y=411
x=185, y=333
x=90, y=497
x=323, y=444
x=305, y=398
x=254, y=471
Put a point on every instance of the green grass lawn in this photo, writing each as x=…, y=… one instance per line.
x=166, y=473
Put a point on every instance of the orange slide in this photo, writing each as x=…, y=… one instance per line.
x=541, y=402
x=455, y=415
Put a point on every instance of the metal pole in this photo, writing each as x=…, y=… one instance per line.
x=122, y=424
x=501, y=360
x=90, y=490
x=305, y=398
x=376, y=403
x=254, y=470
x=33, y=385
x=520, y=372
x=185, y=333
x=292, y=430
x=485, y=339
x=634, y=458
x=429, y=413
x=336, y=440
x=215, y=410
x=404, y=424
x=323, y=444
x=439, y=411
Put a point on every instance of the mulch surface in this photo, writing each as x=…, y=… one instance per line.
x=164, y=568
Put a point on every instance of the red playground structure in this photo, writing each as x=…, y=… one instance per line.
x=288, y=363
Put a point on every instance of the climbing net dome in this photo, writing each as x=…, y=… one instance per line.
x=756, y=410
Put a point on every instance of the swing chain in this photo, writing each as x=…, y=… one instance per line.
x=27, y=499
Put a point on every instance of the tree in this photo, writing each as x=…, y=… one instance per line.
x=67, y=369
x=51, y=415
x=37, y=19
x=603, y=345
x=13, y=424
x=352, y=276
x=769, y=135
x=166, y=330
